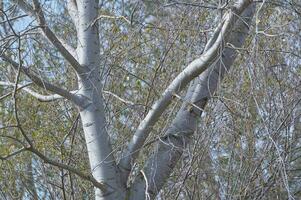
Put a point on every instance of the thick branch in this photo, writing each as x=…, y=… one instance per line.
x=170, y=148
x=190, y=72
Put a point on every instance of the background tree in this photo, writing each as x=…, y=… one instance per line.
x=86, y=84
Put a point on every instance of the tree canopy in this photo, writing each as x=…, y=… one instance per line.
x=129, y=99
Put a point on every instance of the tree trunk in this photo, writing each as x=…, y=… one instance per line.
x=92, y=114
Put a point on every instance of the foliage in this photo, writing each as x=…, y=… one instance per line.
x=248, y=141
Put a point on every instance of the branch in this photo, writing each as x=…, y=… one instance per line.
x=110, y=17
x=170, y=147
x=73, y=11
x=90, y=178
x=42, y=83
x=49, y=34
x=191, y=4
x=12, y=19
x=40, y=97
x=193, y=70
x=10, y=93
x=118, y=97
x=12, y=154
x=69, y=48
x=27, y=8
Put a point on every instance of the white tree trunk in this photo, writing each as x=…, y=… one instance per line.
x=101, y=158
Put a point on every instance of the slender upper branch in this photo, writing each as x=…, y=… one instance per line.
x=49, y=34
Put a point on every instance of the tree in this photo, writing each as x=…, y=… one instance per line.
x=66, y=53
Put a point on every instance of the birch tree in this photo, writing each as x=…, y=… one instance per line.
x=142, y=165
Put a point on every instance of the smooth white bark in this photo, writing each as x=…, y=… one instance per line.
x=86, y=62
x=169, y=149
x=92, y=114
x=73, y=11
x=193, y=70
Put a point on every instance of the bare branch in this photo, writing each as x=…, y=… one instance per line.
x=54, y=40
x=110, y=17
x=12, y=19
x=42, y=83
x=118, y=97
x=40, y=97
x=49, y=34
x=27, y=8
x=69, y=48
x=12, y=154
x=87, y=177
x=191, y=4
